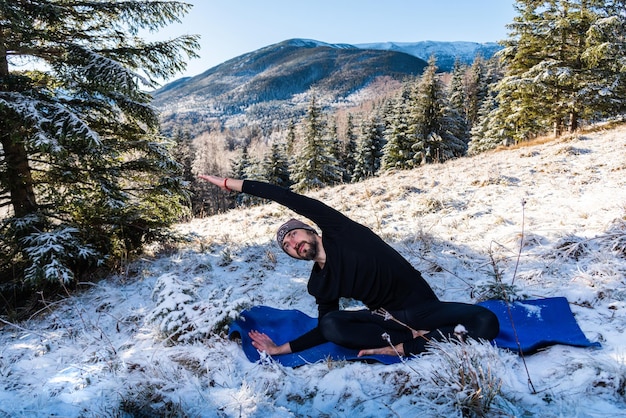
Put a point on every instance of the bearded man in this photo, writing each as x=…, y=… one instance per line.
x=351, y=261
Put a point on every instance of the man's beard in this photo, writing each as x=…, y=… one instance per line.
x=310, y=253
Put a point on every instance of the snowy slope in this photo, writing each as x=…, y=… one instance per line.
x=149, y=342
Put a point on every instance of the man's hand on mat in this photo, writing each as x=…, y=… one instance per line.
x=264, y=343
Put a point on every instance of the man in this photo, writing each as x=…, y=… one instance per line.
x=353, y=262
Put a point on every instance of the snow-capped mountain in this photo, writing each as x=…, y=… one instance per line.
x=445, y=52
x=272, y=83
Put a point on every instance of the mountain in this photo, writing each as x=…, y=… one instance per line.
x=445, y=52
x=271, y=84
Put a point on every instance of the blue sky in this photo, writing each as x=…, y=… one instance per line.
x=229, y=28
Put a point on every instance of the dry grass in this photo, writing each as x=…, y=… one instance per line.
x=546, y=139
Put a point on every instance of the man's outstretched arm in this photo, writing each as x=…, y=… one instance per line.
x=224, y=183
x=321, y=214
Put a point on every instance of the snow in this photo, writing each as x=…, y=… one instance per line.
x=424, y=49
x=150, y=340
x=312, y=43
x=446, y=52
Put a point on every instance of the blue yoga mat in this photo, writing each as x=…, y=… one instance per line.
x=539, y=323
x=285, y=325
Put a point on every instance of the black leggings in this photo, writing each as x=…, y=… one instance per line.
x=364, y=329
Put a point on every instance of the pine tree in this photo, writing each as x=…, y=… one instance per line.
x=183, y=154
x=487, y=129
x=397, y=152
x=484, y=134
x=276, y=166
x=315, y=166
x=605, y=55
x=476, y=86
x=84, y=170
x=348, y=157
x=254, y=170
x=290, y=140
x=558, y=71
x=336, y=169
x=435, y=127
x=424, y=109
x=458, y=99
x=241, y=168
x=369, y=150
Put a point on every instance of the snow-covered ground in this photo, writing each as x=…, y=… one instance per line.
x=150, y=342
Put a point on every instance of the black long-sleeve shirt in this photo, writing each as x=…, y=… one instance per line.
x=359, y=264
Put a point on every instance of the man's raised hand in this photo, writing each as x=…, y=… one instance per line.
x=223, y=183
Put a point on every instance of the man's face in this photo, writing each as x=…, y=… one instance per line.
x=300, y=244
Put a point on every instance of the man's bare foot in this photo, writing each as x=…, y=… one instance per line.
x=399, y=350
x=419, y=333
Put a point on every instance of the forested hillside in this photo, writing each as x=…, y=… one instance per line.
x=270, y=86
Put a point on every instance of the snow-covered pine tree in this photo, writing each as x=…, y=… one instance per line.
x=315, y=167
x=397, y=153
x=475, y=90
x=425, y=104
x=453, y=131
x=558, y=73
x=243, y=168
x=255, y=170
x=83, y=169
x=458, y=99
x=239, y=167
x=335, y=149
x=486, y=132
x=290, y=141
x=605, y=55
x=183, y=153
x=276, y=166
x=434, y=127
x=369, y=150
